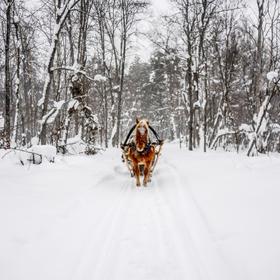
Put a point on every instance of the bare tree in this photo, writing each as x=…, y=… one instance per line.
x=17, y=92
x=256, y=139
x=63, y=11
x=120, y=23
x=7, y=116
x=195, y=20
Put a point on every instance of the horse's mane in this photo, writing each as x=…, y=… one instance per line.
x=141, y=140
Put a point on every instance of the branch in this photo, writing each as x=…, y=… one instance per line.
x=69, y=68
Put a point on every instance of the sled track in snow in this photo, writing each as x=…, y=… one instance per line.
x=84, y=219
x=147, y=230
x=99, y=235
x=189, y=218
x=185, y=253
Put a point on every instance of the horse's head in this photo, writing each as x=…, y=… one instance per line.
x=141, y=135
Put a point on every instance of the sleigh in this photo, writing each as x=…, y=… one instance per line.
x=140, y=153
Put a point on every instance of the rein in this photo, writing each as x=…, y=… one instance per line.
x=132, y=129
x=156, y=135
x=127, y=137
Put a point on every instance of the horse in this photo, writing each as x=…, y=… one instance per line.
x=141, y=152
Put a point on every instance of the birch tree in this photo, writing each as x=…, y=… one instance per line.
x=122, y=26
x=7, y=116
x=17, y=82
x=62, y=12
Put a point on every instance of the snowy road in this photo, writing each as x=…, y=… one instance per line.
x=211, y=216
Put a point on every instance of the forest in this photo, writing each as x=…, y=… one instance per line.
x=139, y=139
x=70, y=73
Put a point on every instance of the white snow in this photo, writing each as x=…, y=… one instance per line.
x=75, y=145
x=2, y=121
x=114, y=131
x=272, y=75
x=59, y=11
x=197, y=104
x=36, y=154
x=34, y=140
x=203, y=216
x=59, y=104
x=246, y=127
x=52, y=114
x=275, y=127
x=16, y=19
x=99, y=78
x=73, y=103
x=117, y=87
x=47, y=151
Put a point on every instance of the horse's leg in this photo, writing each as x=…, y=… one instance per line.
x=136, y=173
x=148, y=166
x=151, y=166
x=147, y=169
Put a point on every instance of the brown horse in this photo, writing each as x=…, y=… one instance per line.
x=141, y=152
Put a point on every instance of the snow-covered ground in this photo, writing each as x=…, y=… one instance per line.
x=204, y=216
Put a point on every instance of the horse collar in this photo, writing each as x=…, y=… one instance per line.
x=146, y=149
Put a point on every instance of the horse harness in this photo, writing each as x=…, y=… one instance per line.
x=149, y=144
x=128, y=144
x=145, y=151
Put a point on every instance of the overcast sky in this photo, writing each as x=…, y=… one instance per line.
x=143, y=47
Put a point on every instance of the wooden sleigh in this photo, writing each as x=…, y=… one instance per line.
x=139, y=153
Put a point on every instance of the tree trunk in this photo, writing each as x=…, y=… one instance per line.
x=190, y=96
x=60, y=19
x=257, y=63
x=7, y=124
x=262, y=112
x=17, y=116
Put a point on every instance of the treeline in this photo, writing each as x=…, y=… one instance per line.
x=211, y=81
x=73, y=86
